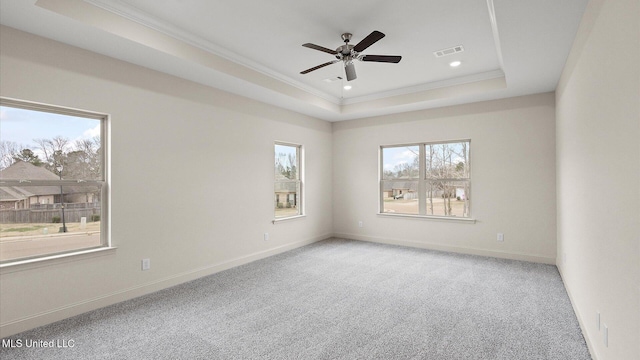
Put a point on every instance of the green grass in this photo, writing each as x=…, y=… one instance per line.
x=22, y=229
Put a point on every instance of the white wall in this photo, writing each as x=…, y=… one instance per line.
x=192, y=179
x=512, y=185
x=598, y=170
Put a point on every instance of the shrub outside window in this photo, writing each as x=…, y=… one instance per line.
x=427, y=179
x=53, y=187
x=288, y=180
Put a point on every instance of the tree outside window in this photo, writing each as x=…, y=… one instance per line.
x=429, y=179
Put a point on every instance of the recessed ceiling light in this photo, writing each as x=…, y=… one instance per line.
x=455, y=63
x=347, y=87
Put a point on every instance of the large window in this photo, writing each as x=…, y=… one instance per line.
x=428, y=179
x=52, y=181
x=288, y=180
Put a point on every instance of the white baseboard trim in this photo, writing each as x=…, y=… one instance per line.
x=77, y=308
x=455, y=249
x=587, y=339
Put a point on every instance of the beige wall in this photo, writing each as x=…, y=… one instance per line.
x=598, y=169
x=174, y=145
x=512, y=186
x=173, y=137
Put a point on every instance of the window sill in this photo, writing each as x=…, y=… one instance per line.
x=426, y=217
x=288, y=218
x=28, y=264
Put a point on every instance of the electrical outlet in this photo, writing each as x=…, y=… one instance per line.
x=360, y=223
x=598, y=320
x=146, y=264
x=500, y=237
x=266, y=236
x=605, y=335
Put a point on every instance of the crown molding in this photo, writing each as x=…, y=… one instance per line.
x=130, y=22
x=488, y=75
x=140, y=17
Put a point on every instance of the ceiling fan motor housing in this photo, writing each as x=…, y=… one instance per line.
x=344, y=50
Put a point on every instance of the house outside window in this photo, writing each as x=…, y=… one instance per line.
x=288, y=180
x=426, y=179
x=53, y=191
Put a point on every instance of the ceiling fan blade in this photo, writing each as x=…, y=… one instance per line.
x=368, y=41
x=382, y=58
x=318, y=67
x=320, y=48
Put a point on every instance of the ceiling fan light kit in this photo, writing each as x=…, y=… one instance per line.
x=347, y=53
x=350, y=70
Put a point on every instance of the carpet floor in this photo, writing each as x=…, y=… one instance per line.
x=334, y=299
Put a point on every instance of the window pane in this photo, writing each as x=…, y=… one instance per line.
x=288, y=195
x=287, y=198
x=41, y=145
x=49, y=141
x=400, y=162
x=447, y=161
x=400, y=197
x=448, y=198
x=286, y=162
x=34, y=222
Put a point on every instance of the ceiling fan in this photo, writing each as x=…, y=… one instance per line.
x=347, y=53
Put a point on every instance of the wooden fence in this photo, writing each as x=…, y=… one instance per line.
x=71, y=214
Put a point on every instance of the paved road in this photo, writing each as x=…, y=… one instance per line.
x=27, y=246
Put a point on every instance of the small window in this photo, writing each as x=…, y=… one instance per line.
x=52, y=180
x=428, y=179
x=288, y=180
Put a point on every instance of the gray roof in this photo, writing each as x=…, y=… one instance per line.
x=400, y=185
x=14, y=193
x=286, y=186
x=21, y=170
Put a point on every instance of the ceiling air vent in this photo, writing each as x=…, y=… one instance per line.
x=330, y=80
x=449, y=51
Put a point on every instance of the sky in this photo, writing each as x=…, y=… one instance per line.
x=284, y=149
x=393, y=156
x=22, y=126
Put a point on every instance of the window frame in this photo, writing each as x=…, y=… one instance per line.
x=104, y=184
x=422, y=181
x=300, y=198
